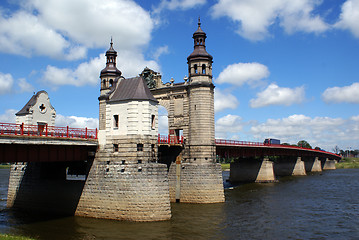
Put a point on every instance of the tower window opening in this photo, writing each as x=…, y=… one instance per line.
x=139, y=147
x=195, y=68
x=153, y=122
x=203, y=68
x=111, y=82
x=115, y=121
x=115, y=147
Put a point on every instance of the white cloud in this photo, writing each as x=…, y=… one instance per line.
x=160, y=51
x=8, y=116
x=76, y=122
x=349, y=17
x=132, y=63
x=91, y=23
x=6, y=83
x=87, y=73
x=224, y=100
x=228, y=124
x=24, y=34
x=275, y=95
x=241, y=73
x=349, y=94
x=65, y=29
x=324, y=132
x=178, y=4
x=255, y=17
x=24, y=86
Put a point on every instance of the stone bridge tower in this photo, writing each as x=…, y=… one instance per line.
x=201, y=145
x=195, y=177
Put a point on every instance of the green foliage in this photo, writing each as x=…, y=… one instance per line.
x=348, y=163
x=304, y=144
x=225, y=166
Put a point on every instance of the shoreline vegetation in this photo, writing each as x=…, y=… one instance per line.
x=344, y=163
x=13, y=237
x=348, y=163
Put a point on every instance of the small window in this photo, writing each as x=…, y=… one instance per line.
x=203, y=68
x=153, y=122
x=195, y=68
x=123, y=161
x=115, y=147
x=115, y=121
x=140, y=147
x=111, y=82
x=139, y=161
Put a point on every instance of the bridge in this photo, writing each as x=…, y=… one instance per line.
x=31, y=144
x=28, y=143
x=123, y=175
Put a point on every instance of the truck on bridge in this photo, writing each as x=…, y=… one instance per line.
x=271, y=141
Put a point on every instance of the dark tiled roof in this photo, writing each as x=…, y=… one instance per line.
x=30, y=103
x=132, y=89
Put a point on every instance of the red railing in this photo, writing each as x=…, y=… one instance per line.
x=246, y=143
x=47, y=131
x=171, y=140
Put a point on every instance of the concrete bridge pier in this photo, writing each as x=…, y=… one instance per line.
x=289, y=166
x=195, y=182
x=328, y=164
x=313, y=164
x=252, y=170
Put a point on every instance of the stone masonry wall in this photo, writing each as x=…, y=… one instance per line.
x=116, y=189
x=200, y=183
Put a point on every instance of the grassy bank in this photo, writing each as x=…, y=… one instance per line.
x=348, y=163
x=5, y=166
x=225, y=166
x=12, y=237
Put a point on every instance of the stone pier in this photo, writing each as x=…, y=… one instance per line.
x=313, y=165
x=196, y=183
x=124, y=190
x=252, y=170
x=289, y=166
x=328, y=164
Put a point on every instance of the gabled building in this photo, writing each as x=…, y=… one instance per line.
x=37, y=111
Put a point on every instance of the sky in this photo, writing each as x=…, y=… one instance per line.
x=285, y=69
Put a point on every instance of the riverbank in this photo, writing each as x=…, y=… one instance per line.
x=11, y=237
x=348, y=163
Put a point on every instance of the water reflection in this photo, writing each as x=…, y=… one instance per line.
x=314, y=207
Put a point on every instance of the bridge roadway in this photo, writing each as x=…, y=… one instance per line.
x=233, y=148
x=21, y=143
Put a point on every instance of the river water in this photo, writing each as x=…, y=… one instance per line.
x=318, y=206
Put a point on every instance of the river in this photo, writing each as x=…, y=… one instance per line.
x=318, y=206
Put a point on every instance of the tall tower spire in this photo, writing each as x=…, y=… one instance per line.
x=199, y=61
x=110, y=72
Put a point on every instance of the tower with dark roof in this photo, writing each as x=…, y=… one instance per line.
x=201, y=145
x=125, y=175
x=110, y=73
x=200, y=61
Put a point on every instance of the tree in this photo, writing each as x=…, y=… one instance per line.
x=336, y=149
x=304, y=144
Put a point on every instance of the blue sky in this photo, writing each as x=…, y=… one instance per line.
x=285, y=69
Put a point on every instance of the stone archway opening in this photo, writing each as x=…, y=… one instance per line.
x=162, y=120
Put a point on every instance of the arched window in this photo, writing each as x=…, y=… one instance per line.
x=203, y=68
x=195, y=68
x=111, y=82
